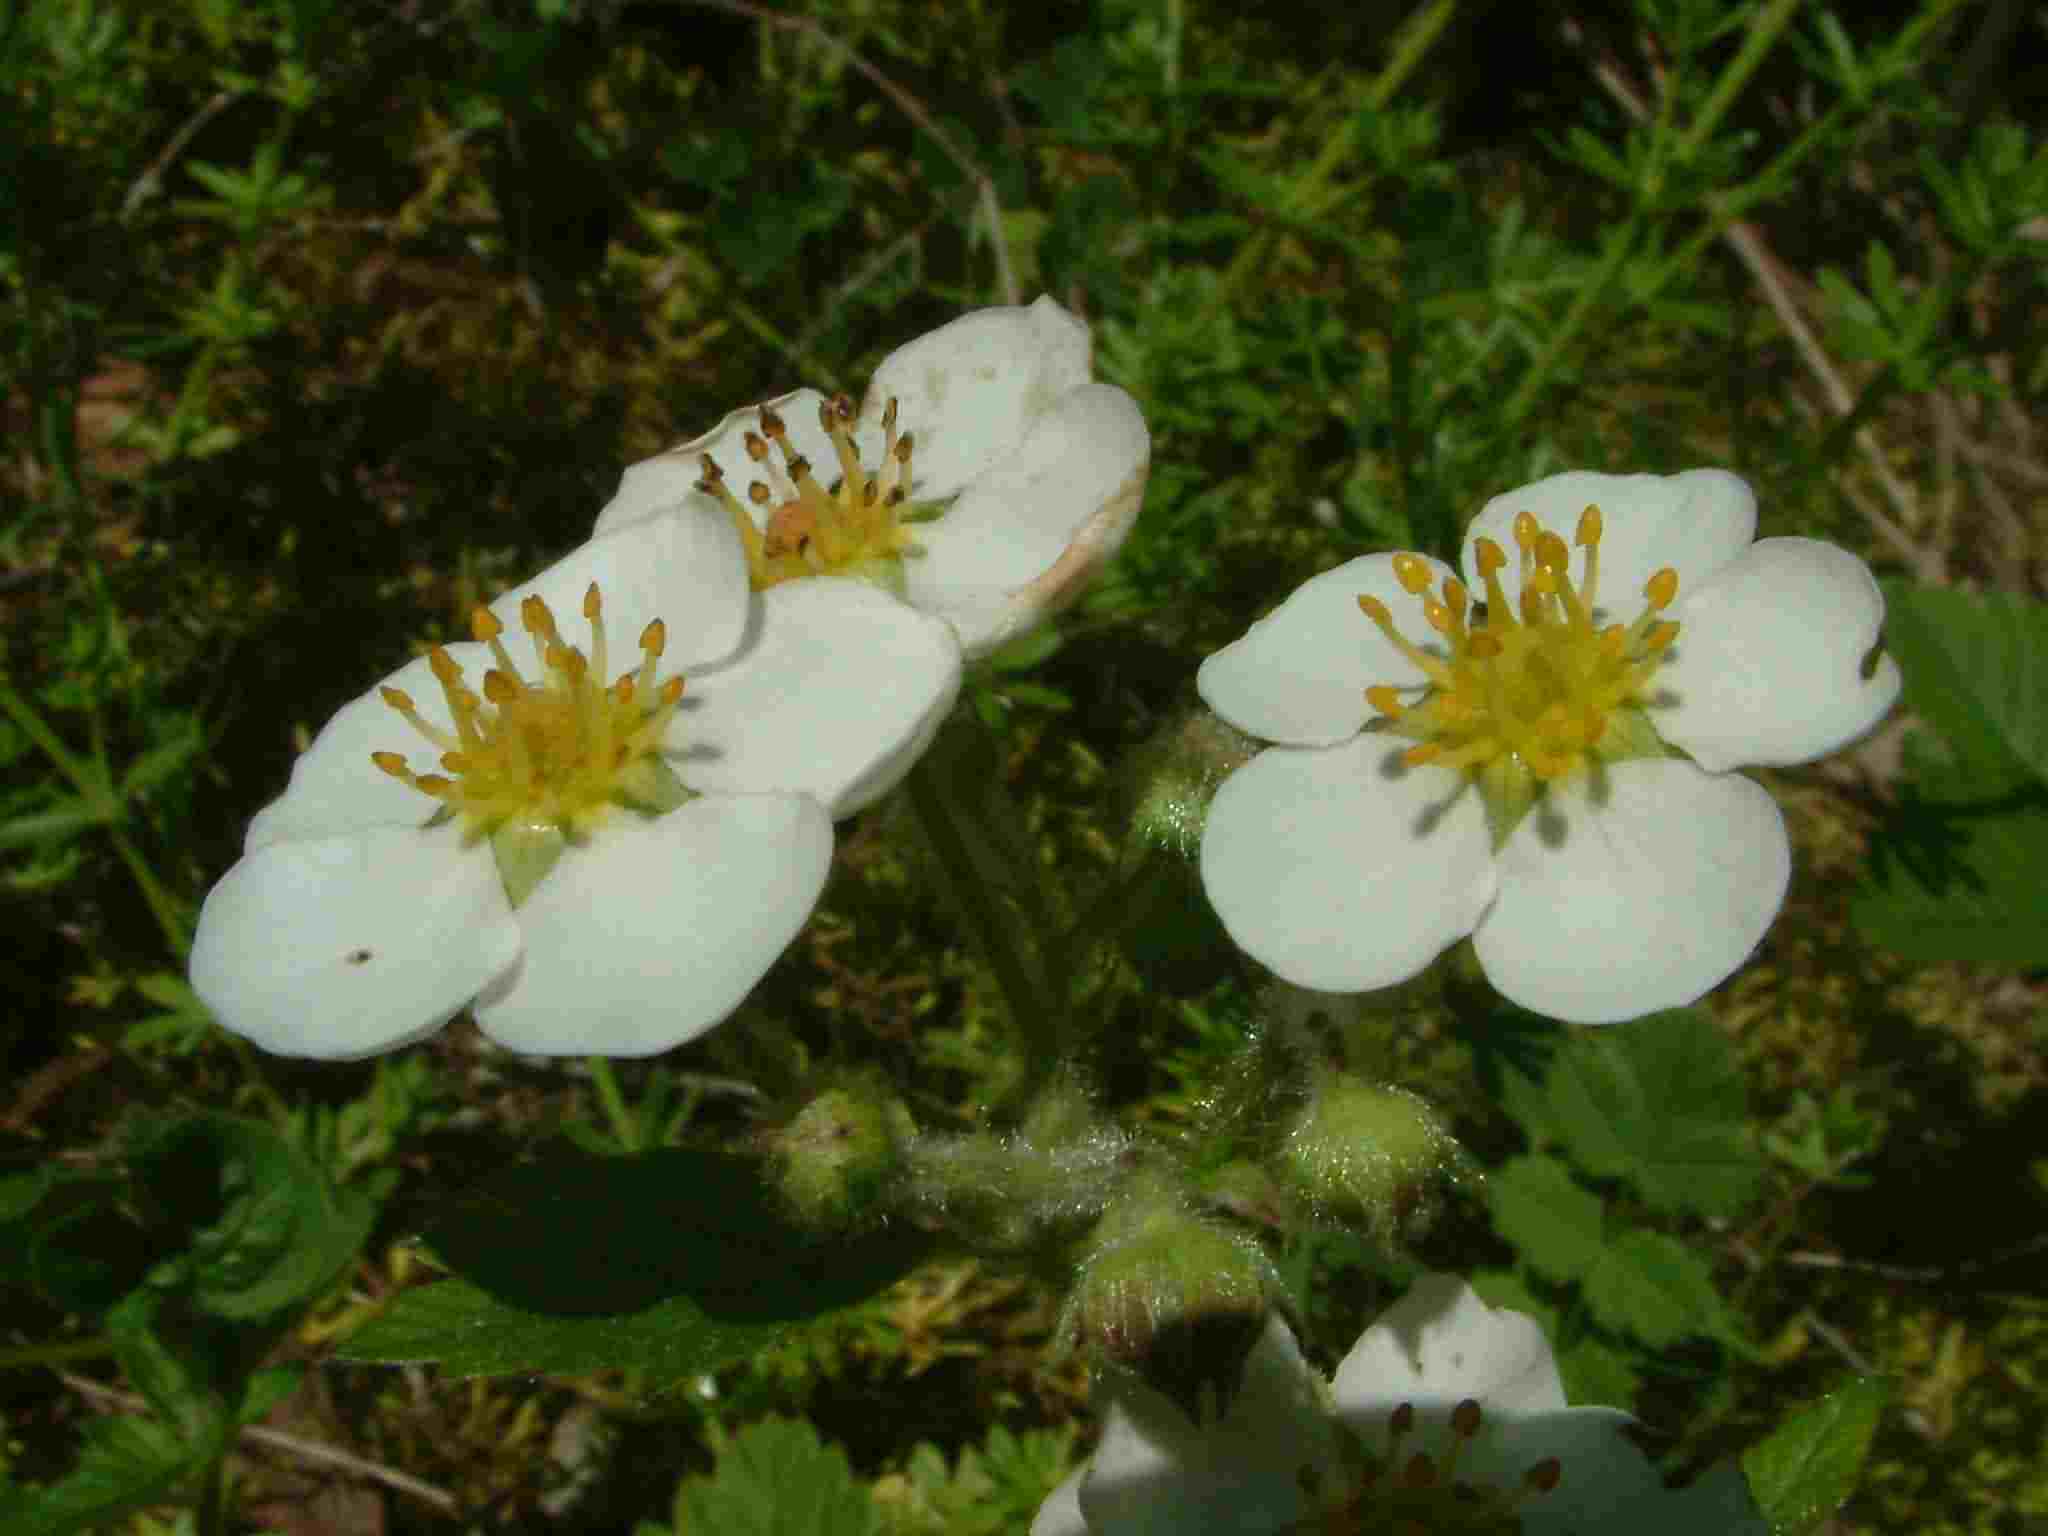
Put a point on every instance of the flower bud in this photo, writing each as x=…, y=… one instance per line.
x=1177, y=1298
x=1369, y=1154
x=834, y=1159
x=1167, y=928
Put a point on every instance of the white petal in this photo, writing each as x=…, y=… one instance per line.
x=1339, y=869
x=1604, y=1473
x=1645, y=898
x=1158, y=1474
x=971, y=389
x=656, y=930
x=841, y=690
x=1695, y=522
x=1060, y=1514
x=346, y=946
x=1440, y=1344
x=684, y=567
x=670, y=479
x=1299, y=675
x=997, y=561
x=335, y=789
x=1768, y=665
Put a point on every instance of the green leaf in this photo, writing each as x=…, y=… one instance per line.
x=1653, y=1287
x=268, y=1229
x=1553, y=1221
x=468, y=1332
x=1982, y=656
x=579, y=1236
x=1959, y=882
x=1801, y=1475
x=126, y=1462
x=776, y=1479
x=1595, y=1372
x=1660, y=1103
x=673, y=1262
x=1954, y=873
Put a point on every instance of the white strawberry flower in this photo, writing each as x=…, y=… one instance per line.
x=985, y=478
x=1544, y=762
x=1448, y=1415
x=601, y=858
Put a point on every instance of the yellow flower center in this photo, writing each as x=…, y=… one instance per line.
x=1401, y=1493
x=854, y=529
x=1529, y=692
x=554, y=753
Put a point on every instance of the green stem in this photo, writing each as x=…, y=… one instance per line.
x=625, y=1125
x=1032, y=1008
x=1574, y=320
x=1762, y=35
x=211, y=1518
x=29, y=1355
x=169, y=917
x=1411, y=46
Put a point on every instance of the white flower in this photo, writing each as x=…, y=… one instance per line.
x=601, y=866
x=1002, y=476
x=1448, y=1415
x=1520, y=782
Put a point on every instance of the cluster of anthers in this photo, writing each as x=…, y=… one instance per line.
x=1418, y=1494
x=557, y=751
x=1528, y=691
x=856, y=528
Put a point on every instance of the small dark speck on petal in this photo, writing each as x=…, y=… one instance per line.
x=358, y=957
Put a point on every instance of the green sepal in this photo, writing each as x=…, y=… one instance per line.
x=526, y=850
x=651, y=787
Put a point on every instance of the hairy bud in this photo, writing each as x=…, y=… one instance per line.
x=1175, y=1297
x=836, y=1157
x=1371, y=1155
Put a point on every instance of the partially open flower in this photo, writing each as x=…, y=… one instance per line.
x=603, y=850
x=984, y=479
x=1447, y=1415
x=1538, y=754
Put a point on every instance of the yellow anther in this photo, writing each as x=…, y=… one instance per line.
x=1415, y=757
x=712, y=474
x=442, y=665
x=1483, y=646
x=593, y=605
x=433, y=784
x=759, y=494
x=485, y=624
x=1456, y=597
x=1551, y=553
x=1412, y=571
x=757, y=447
x=1437, y=616
x=1661, y=588
x=654, y=638
x=1590, y=525
x=534, y=617
x=672, y=691
x=1386, y=700
x=1526, y=530
x=1374, y=609
x=499, y=688
x=397, y=698
x=771, y=423
x=392, y=764
x=903, y=444
x=1660, y=636
x=1488, y=556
